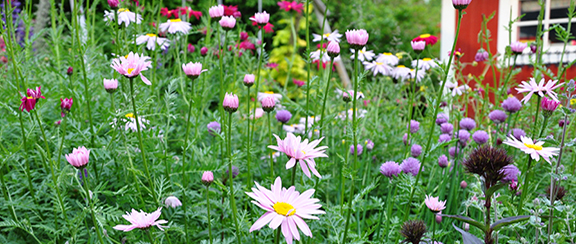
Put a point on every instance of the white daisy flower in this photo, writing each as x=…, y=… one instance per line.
x=536, y=150
x=175, y=25
x=418, y=77
x=425, y=64
x=387, y=58
x=151, y=40
x=294, y=128
x=315, y=56
x=378, y=67
x=363, y=55
x=400, y=72
x=124, y=16
x=330, y=37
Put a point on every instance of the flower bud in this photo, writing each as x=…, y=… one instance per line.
x=207, y=178
x=249, y=80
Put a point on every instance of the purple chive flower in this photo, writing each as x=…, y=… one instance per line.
x=446, y=128
x=410, y=166
x=414, y=126
x=561, y=123
x=283, y=116
x=467, y=124
x=359, y=149
x=511, y=173
x=444, y=138
x=481, y=56
x=518, y=133
x=235, y=172
x=452, y=151
x=416, y=150
x=390, y=169
x=511, y=105
x=405, y=139
x=480, y=137
x=441, y=118
x=463, y=136
x=443, y=161
x=214, y=128
x=369, y=144
x=498, y=116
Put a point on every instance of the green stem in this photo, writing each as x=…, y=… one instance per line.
x=411, y=105
x=295, y=48
x=270, y=151
x=231, y=179
x=431, y=122
x=293, y=177
x=342, y=178
x=277, y=237
x=388, y=197
x=183, y=171
x=258, y=76
x=142, y=151
x=150, y=236
x=208, y=208
x=309, y=63
x=543, y=127
x=248, y=141
x=325, y=98
x=94, y=221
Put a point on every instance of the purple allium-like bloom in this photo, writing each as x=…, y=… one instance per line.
x=369, y=144
x=481, y=56
x=444, y=138
x=463, y=136
x=452, y=151
x=480, y=137
x=518, y=133
x=443, y=161
x=405, y=139
x=414, y=126
x=359, y=149
x=283, y=116
x=511, y=173
x=410, y=166
x=561, y=123
x=214, y=128
x=498, y=116
x=416, y=150
x=390, y=169
x=441, y=118
x=511, y=105
x=235, y=172
x=467, y=124
x=446, y=128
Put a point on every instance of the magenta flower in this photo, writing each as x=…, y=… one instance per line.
x=35, y=93
x=285, y=208
x=301, y=151
x=549, y=105
x=113, y=3
x=193, y=70
x=227, y=22
x=28, y=103
x=434, y=204
x=216, y=11
x=481, y=56
x=288, y=6
x=65, y=105
x=141, y=220
x=79, y=157
x=429, y=39
x=172, y=202
x=203, y=51
x=261, y=18
x=132, y=65
x=357, y=38
x=230, y=102
x=333, y=49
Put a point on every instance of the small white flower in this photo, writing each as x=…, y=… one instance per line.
x=378, y=68
x=425, y=64
x=363, y=55
x=387, y=58
x=330, y=37
x=536, y=150
x=124, y=16
x=151, y=40
x=175, y=25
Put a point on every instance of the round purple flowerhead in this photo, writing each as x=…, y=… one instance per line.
x=359, y=149
x=518, y=133
x=443, y=161
x=405, y=139
x=390, y=169
x=283, y=116
x=511, y=105
x=511, y=173
x=561, y=123
x=416, y=150
x=410, y=166
x=463, y=136
x=441, y=118
x=481, y=56
x=369, y=144
x=498, y=116
x=452, y=151
x=467, y=124
x=444, y=138
x=446, y=128
x=214, y=128
x=480, y=137
x=235, y=172
x=414, y=126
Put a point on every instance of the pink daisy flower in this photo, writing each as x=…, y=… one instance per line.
x=142, y=220
x=301, y=151
x=285, y=208
x=434, y=204
x=536, y=150
x=131, y=65
x=540, y=88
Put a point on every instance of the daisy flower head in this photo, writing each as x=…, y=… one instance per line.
x=141, y=220
x=300, y=151
x=539, y=88
x=285, y=208
x=151, y=40
x=193, y=70
x=131, y=123
x=418, y=46
x=261, y=18
x=418, y=76
x=434, y=204
x=378, y=68
x=387, y=58
x=261, y=95
x=331, y=37
x=357, y=38
x=400, y=72
x=132, y=65
x=216, y=11
x=536, y=150
x=461, y=4
x=429, y=39
x=518, y=47
x=363, y=54
x=174, y=26
x=315, y=56
x=227, y=22
x=124, y=16
x=425, y=63
x=294, y=128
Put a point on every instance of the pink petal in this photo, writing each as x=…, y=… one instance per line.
x=262, y=221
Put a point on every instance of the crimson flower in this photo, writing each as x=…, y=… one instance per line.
x=232, y=11
x=287, y=6
x=429, y=39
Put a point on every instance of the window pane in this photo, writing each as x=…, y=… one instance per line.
x=530, y=8
x=559, y=9
x=554, y=38
x=527, y=33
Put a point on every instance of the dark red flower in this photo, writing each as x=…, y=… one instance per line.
x=271, y=65
x=299, y=83
x=28, y=103
x=196, y=14
x=268, y=28
x=243, y=36
x=429, y=39
x=287, y=6
x=232, y=11
x=165, y=12
x=247, y=45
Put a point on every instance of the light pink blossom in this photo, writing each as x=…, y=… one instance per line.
x=141, y=220
x=434, y=204
x=301, y=151
x=79, y=157
x=132, y=65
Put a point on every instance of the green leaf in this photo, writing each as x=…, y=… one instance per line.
x=508, y=221
x=468, y=238
x=493, y=189
x=467, y=220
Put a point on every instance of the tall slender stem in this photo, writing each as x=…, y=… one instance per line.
x=150, y=236
x=295, y=48
x=432, y=118
x=553, y=189
x=208, y=208
x=231, y=179
x=325, y=98
x=411, y=105
x=142, y=151
x=91, y=203
x=309, y=64
x=248, y=141
x=270, y=152
x=183, y=168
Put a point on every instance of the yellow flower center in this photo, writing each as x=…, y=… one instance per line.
x=123, y=10
x=533, y=146
x=269, y=92
x=399, y=55
x=424, y=35
x=175, y=20
x=130, y=70
x=29, y=97
x=377, y=63
x=327, y=35
x=401, y=66
x=129, y=115
x=387, y=54
x=426, y=59
x=151, y=35
x=423, y=88
x=284, y=209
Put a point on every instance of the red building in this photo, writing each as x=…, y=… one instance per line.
x=523, y=30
